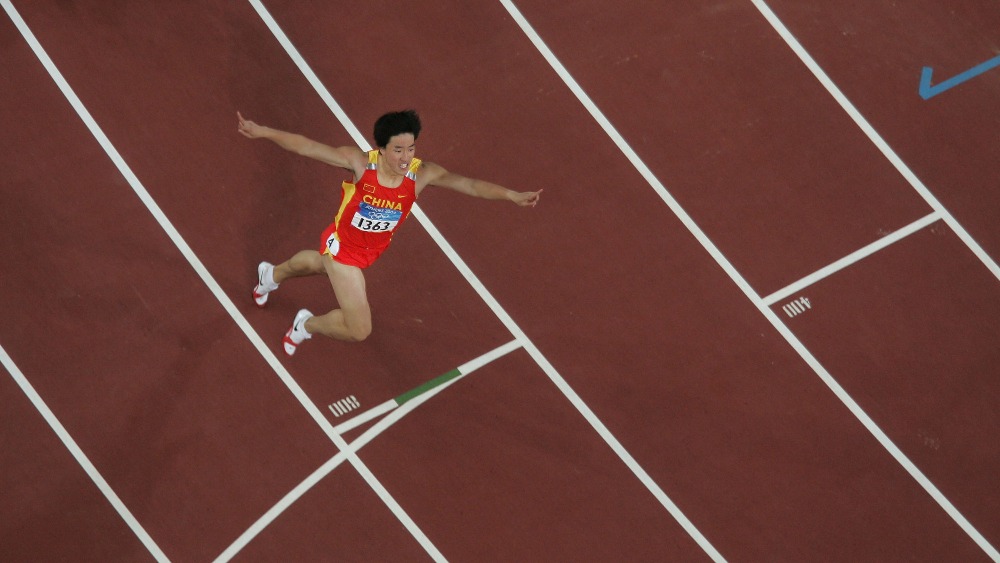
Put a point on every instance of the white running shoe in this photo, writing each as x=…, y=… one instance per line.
x=297, y=333
x=262, y=289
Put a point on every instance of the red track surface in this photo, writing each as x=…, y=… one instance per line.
x=196, y=433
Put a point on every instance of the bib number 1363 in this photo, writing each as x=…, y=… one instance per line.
x=372, y=226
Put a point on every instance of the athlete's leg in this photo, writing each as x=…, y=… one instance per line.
x=304, y=263
x=353, y=320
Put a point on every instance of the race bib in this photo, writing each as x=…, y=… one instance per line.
x=373, y=219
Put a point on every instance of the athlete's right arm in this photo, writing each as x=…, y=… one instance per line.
x=351, y=158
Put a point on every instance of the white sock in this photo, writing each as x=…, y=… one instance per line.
x=268, y=277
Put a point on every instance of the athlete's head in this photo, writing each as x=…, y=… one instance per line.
x=396, y=123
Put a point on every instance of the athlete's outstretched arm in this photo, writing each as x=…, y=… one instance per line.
x=435, y=175
x=351, y=158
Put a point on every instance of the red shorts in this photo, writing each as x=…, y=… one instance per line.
x=347, y=254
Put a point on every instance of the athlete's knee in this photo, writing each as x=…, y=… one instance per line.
x=307, y=262
x=359, y=329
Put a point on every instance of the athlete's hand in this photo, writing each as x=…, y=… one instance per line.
x=526, y=199
x=248, y=128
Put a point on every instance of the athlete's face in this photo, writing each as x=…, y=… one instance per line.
x=399, y=151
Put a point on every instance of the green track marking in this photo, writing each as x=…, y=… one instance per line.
x=420, y=390
x=426, y=390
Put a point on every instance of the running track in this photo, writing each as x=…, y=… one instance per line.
x=637, y=384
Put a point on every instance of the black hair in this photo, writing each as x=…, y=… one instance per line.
x=396, y=123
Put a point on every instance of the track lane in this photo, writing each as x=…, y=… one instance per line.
x=333, y=521
x=908, y=350
x=51, y=509
x=506, y=462
x=876, y=53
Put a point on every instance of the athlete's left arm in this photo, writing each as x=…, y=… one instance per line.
x=434, y=175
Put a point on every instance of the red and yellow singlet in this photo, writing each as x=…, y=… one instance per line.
x=369, y=215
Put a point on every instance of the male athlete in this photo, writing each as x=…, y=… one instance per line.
x=386, y=183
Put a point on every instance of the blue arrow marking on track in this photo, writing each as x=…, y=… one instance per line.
x=927, y=91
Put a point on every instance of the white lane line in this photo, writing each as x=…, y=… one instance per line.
x=216, y=290
x=851, y=259
x=487, y=297
x=80, y=457
x=738, y=279
x=875, y=138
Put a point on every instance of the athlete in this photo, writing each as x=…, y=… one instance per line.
x=386, y=183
